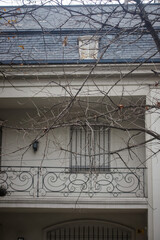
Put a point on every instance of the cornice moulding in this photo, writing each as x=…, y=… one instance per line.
x=122, y=71
x=110, y=203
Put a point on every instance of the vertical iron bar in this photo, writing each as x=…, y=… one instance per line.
x=76, y=157
x=38, y=172
x=74, y=234
x=104, y=147
x=95, y=149
x=99, y=143
x=89, y=147
x=79, y=233
x=55, y=234
x=85, y=147
x=65, y=234
x=80, y=148
x=102, y=233
x=127, y=237
x=71, y=148
x=93, y=233
x=69, y=234
x=83, y=233
x=88, y=232
x=143, y=183
x=112, y=234
x=59, y=234
x=98, y=233
x=108, y=150
x=107, y=233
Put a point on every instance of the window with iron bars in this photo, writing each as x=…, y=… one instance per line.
x=89, y=148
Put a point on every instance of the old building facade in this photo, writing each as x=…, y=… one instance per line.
x=79, y=124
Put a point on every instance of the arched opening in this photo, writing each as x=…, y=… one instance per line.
x=89, y=230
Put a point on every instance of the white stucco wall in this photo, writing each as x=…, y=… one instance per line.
x=15, y=143
x=153, y=123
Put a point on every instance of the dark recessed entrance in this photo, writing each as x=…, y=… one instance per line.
x=89, y=230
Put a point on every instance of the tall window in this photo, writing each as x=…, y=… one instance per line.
x=89, y=148
x=88, y=47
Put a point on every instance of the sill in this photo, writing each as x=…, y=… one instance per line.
x=89, y=170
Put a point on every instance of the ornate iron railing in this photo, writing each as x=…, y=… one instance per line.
x=59, y=182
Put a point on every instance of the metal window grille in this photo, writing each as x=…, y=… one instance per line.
x=89, y=148
x=90, y=232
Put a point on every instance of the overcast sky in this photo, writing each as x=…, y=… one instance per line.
x=21, y=2
x=18, y=2
x=51, y=2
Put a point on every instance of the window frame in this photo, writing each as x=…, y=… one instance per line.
x=85, y=50
x=83, y=166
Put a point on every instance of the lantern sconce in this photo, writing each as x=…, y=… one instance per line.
x=35, y=145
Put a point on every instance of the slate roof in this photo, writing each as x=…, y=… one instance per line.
x=35, y=35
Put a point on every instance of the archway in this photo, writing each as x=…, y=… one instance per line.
x=89, y=230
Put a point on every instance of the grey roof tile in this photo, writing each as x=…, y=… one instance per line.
x=39, y=35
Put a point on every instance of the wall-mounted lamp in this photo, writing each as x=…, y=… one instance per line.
x=20, y=238
x=35, y=145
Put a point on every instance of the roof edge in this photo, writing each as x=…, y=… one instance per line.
x=74, y=5
x=77, y=61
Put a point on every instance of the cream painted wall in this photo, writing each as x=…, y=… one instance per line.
x=132, y=158
x=153, y=124
x=15, y=143
x=15, y=148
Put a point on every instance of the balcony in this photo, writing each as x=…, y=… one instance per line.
x=48, y=182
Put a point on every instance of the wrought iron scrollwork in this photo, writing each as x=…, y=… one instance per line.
x=56, y=182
